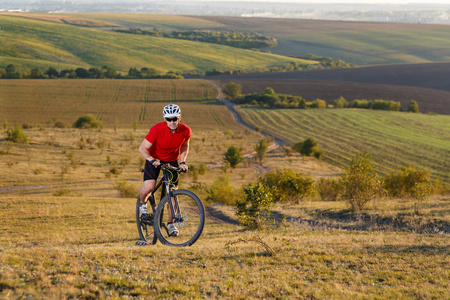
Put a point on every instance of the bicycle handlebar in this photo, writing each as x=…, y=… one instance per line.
x=170, y=167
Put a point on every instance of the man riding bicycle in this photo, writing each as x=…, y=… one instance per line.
x=166, y=142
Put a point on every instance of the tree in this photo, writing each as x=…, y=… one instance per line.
x=233, y=156
x=82, y=73
x=307, y=147
x=94, y=73
x=36, y=73
x=413, y=107
x=10, y=69
x=232, y=89
x=52, y=73
x=359, y=182
x=261, y=149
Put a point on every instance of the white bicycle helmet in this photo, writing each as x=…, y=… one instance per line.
x=171, y=110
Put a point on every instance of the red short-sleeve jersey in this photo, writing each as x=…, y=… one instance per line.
x=165, y=144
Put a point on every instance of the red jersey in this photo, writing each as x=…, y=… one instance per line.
x=165, y=144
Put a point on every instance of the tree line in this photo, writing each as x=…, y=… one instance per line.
x=245, y=40
x=268, y=98
x=11, y=72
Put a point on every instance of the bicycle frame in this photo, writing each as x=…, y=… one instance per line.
x=166, y=190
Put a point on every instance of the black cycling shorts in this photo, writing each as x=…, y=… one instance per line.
x=151, y=172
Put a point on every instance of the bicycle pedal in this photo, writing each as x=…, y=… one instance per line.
x=142, y=243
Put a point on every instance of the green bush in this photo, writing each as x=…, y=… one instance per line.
x=87, y=121
x=232, y=89
x=409, y=182
x=413, y=107
x=287, y=185
x=360, y=182
x=221, y=191
x=16, y=135
x=253, y=211
x=340, y=103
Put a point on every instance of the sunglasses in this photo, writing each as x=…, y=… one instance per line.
x=171, y=119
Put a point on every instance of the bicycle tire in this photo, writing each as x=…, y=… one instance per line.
x=193, y=222
x=143, y=228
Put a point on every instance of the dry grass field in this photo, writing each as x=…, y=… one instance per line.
x=121, y=102
x=83, y=247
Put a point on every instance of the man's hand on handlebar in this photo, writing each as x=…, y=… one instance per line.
x=184, y=167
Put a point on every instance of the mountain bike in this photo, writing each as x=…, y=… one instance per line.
x=188, y=214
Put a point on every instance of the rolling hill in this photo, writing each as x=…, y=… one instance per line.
x=31, y=43
x=362, y=43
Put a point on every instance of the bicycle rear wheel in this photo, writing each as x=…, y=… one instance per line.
x=145, y=227
x=190, y=220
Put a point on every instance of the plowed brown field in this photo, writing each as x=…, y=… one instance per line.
x=428, y=84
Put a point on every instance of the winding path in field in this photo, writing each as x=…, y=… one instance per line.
x=230, y=105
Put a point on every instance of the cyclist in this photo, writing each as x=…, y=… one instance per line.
x=166, y=142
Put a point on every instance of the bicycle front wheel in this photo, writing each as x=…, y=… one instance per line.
x=189, y=220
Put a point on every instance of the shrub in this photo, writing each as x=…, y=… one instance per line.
x=87, y=121
x=413, y=107
x=126, y=189
x=221, y=191
x=360, y=182
x=232, y=89
x=60, y=124
x=409, y=182
x=16, y=135
x=340, y=103
x=328, y=189
x=319, y=103
x=287, y=185
x=253, y=211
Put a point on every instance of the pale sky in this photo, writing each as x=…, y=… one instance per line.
x=344, y=1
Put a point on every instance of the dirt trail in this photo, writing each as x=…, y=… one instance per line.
x=277, y=143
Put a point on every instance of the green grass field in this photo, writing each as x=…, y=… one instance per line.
x=362, y=43
x=394, y=139
x=32, y=43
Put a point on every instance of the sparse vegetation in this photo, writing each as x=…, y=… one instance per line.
x=16, y=135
